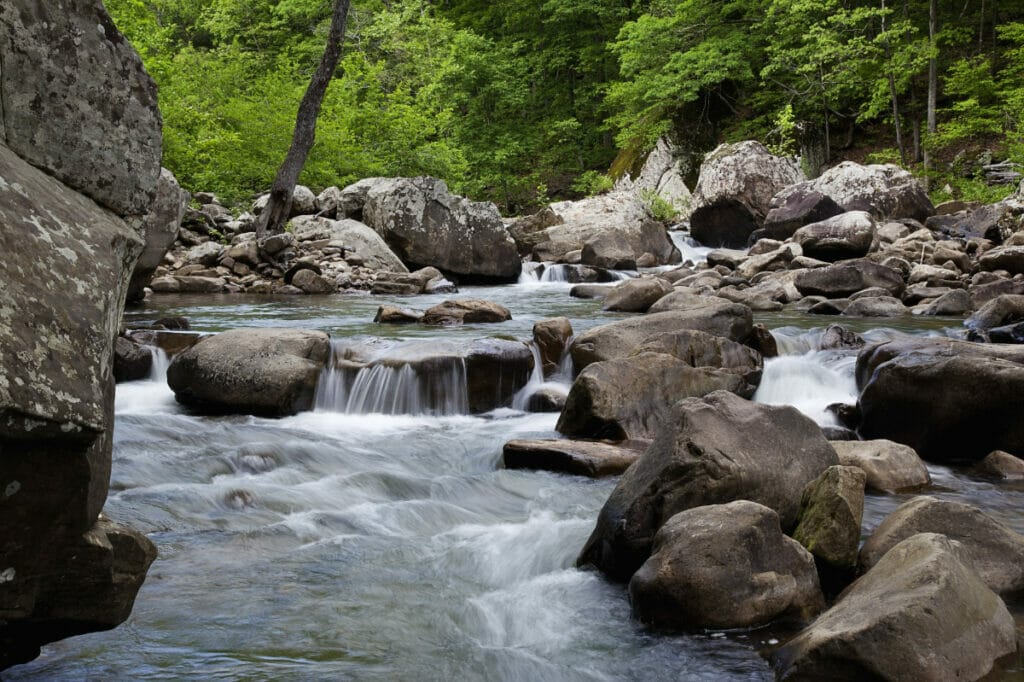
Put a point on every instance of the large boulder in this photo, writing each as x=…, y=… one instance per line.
x=620, y=339
x=919, y=614
x=496, y=369
x=370, y=247
x=840, y=280
x=713, y=450
x=701, y=349
x=610, y=250
x=734, y=192
x=792, y=210
x=620, y=212
x=80, y=153
x=725, y=566
x=948, y=400
x=78, y=104
x=831, y=511
x=885, y=191
x=662, y=176
x=1009, y=258
x=995, y=551
x=425, y=224
x=159, y=229
x=636, y=295
x=631, y=398
x=848, y=235
x=266, y=372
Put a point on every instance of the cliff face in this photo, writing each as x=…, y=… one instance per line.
x=80, y=146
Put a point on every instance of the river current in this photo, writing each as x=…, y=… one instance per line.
x=396, y=547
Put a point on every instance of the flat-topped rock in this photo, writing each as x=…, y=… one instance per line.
x=594, y=459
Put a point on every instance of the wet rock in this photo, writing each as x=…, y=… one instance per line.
x=876, y=306
x=849, y=235
x=465, y=311
x=631, y=398
x=610, y=250
x=160, y=229
x=948, y=400
x=589, y=291
x=700, y=349
x=762, y=341
x=843, y=279
x=839, y=337
x=131, y=360
x=425, y=224
x=267, y=372
x=734, y=192
x=312, y=283
x=552, y=338
x=389, y=314
x=636, y=295
x=992, y=549
x=594, y=459
x=890, y=467
x=831, y=511
x=725, y=566
x=829, y=307
x=884, y=191
x=712, y=450
x=1002, y=465
x=920, y=614
x=620, y=339
x=795, y=209
x=496, y=369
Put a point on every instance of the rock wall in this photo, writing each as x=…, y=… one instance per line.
x=80, y=147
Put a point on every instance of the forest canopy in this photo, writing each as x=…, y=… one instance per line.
x=521, y=102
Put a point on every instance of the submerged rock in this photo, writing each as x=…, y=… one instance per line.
x=266, y=372
x=712, y=450
x=725, y=566
x=594, y=459
x=919, y=614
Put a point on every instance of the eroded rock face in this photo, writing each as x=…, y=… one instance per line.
x=77, y=102
x=919, y=614
x=268, y=372
x=159, y=229
x=427, y=225
x=734, y=192
x=713, y=450
x=725, y=566
x=64, y=280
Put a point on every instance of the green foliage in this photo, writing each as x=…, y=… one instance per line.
x=970, y=189
x=659, y=207
x=783, y=138
x=591, y=183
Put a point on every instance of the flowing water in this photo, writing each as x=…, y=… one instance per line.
x=378, y=537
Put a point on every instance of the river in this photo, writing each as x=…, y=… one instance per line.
x=395, y=547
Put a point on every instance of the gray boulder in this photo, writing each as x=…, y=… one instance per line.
x=620, y=339
x=849, y=277
x=369, y=246
x=610, y=250
x=78, y=104
x=734, y=192
x=496, y=369
x=713, y=450
x=701, y=349
x=885, y=191
x=1002, y=465
x=266, y=372
x=998, y=312
x=948, y=400
x=632, y=398
x=1009, y=258
x=876, y=306
x=831, y=511
x=312, y=283
x=848, y=235
x=132, y=361
x=427, y=225
x=890, y=467
x=636, y=295
x=792, y=210
x=159, y=229
x=725, y=566
x=992, y=549
x=919, y=614
x=465, y=311
x=552, y=339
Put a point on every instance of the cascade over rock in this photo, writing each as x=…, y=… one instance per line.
x=80, y=147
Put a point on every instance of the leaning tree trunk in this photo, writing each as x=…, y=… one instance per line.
x=273, y=217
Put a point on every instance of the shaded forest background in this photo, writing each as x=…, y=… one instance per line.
x=523, y=102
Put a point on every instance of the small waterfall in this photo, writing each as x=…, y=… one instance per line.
x=393, y=385
x=810, y=383
x=158, y=370
x=555, y=272
x=558, y=383
x=690, y=249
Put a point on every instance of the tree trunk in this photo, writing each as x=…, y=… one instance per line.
x=275, y=215
x=933, y=77
x=893, y=96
